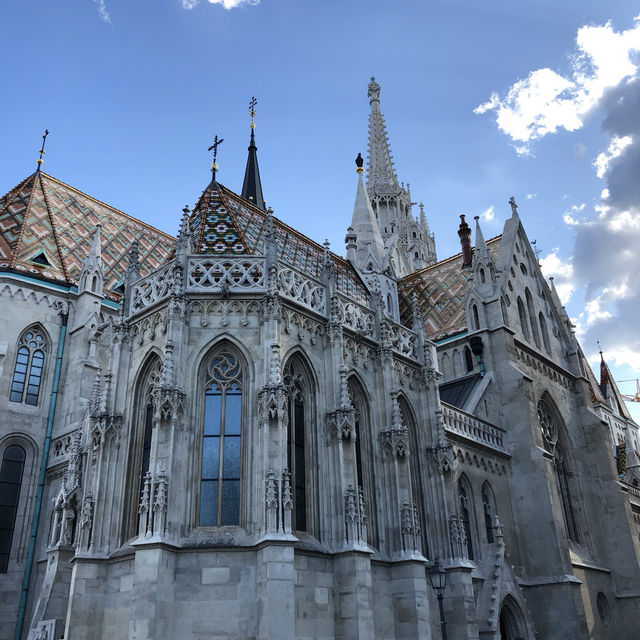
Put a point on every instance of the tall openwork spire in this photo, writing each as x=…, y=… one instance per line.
x=252, y=187
x=411, y=244
x=381, y=175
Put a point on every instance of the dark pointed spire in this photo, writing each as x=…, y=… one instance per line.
x=464, y=233
x=252, y=187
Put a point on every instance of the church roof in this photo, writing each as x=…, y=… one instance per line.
x=47, y=226
x=441, y=290
x=248, y=223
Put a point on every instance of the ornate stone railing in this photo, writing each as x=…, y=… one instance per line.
x=634, y=494
x=403, y=340
x=152, y=288
x=215, y=274
x=472, y=428
x=302, y=289
x=356, y=317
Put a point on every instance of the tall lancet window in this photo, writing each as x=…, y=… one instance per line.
x=364, y=456
x=27, y=375
x=10, y=483
x=489, y=509
x=465, y=498
x=298, y=392
x=221, y=447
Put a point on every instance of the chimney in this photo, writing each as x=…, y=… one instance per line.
x=464, y=232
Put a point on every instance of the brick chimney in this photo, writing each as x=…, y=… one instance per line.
x=464, y=232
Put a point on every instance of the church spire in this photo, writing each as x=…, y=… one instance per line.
x=252, y=187
x=364, y=233
x=381, y=175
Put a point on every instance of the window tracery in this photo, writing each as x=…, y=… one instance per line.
x=221, y=447
x=27, y=374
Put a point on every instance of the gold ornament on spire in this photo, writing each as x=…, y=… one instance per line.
x=252, y=111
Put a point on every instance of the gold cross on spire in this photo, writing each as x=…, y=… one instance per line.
x=216, y=143
x=252, y=111
x=44, y=139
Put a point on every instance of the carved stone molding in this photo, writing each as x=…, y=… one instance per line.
x=341, y=424
x=394, y=442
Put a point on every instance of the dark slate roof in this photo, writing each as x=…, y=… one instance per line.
x=457, y=392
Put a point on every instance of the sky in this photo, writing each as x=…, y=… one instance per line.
x=483, y=100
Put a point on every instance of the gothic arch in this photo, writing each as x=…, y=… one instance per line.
x=418, y=487
x=300, y=383
x=467, y=514
x=15, y=510
x=512, y=622
x=32, y=358
x=140, y=436
x=364, y=447
x=488, y=510
x=532, y=317
x=524, y=324
x=221, y=438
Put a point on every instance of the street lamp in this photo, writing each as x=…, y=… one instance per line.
x=438, y=577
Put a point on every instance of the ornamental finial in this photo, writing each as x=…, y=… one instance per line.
x=374, y=90
x=214, y=147
x=252, y=111
x=359, y=163
x=44, y=139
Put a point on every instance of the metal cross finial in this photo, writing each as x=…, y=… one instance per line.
x=252, y=111
x=536, y=250
x=600, y=350
x=44, y=139
x=514, y=206
x=216, y=143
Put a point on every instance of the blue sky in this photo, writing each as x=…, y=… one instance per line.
x=134, y=90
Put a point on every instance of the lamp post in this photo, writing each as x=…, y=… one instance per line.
x=438, y=577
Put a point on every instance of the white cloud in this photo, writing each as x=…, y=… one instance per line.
x=488, y=214
x=562, y=273
x=616, y=147
x=189, y=4
x=531, y=196
x=546, y=101
x=227, y=4
x=102, y=10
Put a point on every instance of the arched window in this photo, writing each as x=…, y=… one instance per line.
x=456, y=359
x=544, y=332
x=512, y=625
x=465, y=499
x=446, y=366
x=489, y=510
x=296, y=380
x=468, y=359
x=221, y=446
x=532, y=318
x=553, y=435
x=417, y=485
x=10, y=482
x=476, y=317
x=27, y=375
x=364, y=454
x=483, y=279
x=523, y=319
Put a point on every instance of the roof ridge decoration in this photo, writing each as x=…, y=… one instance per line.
x=381, y=174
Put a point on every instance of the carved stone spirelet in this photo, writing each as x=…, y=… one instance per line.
x=394, y=442
x=355, y=517
x=272, y=403
x=457, y=537
x=341, y=424
x=410, y=527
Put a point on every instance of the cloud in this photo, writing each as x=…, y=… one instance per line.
x=488, y=214
x=547, y=101
x=227, y=4
x=531, y=196
x=562, y=273
x=102, y=10
x=606, y=259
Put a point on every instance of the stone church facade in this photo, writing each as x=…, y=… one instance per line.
x=237, y=433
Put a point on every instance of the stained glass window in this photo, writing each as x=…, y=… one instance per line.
x=221, y=447
x=27, y=375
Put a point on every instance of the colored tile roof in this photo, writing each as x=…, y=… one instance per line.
x=43, y=215
x=441, y=290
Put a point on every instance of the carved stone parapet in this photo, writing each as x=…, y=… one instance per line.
x=355, y=517
x=394, y=442
x=410, y=527
x=168, y=405
x=457, y=537
x=272, y=403
x=341, y=424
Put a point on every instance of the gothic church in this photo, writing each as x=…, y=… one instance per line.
x=236, y=433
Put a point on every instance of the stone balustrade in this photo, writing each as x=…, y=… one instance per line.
x=467, y=426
